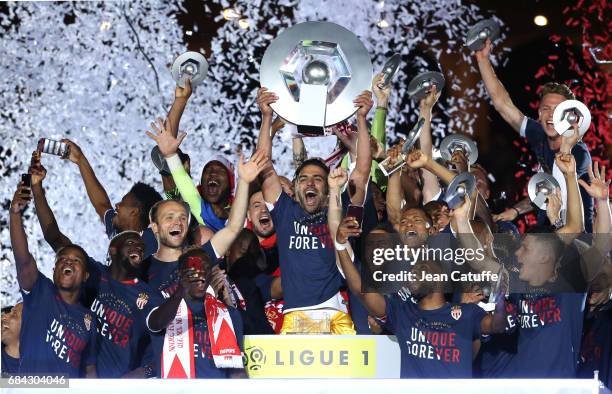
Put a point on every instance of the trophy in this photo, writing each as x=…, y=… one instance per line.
x=421, y=85
x=461, y=186
x=539, y=187
x=389, y=70
x=189, y=65
x=386, y=166
x=478, y=34
x=571, y=112
x=317, y=69
x=454, y=142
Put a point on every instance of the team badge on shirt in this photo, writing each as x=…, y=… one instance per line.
x=456, y=312
x=87, y=320
x=142, y=300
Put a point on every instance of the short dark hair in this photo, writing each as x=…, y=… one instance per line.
x=546, y=235
x=315, y=161
x=157, y=205
x=557, y=88
x=431, y=206
x=146, y=197
x=7, y=309
x=77, y=247
x=418, y=208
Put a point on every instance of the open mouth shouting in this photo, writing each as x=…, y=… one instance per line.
x=213, y=186
x=265, y=221
x=176, y=233
x=311, y=197
x=410, y=234
x=135, y=255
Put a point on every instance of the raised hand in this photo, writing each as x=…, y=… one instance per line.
x=462, y=211
x=168, y=144
x=599, y=188
x=553, y=206
x=426, y=104
x=566, y=163
x=337, y=178
x=248, y=171
x=21, y=199
x=381, y=94
x=483, y=54
x=507, y=216
x=364, y=102
x=568, y=142
x=349, y=227
x=416, y=159
x=183, y=93
x=36, y=170
x=264, y=99
x=75, y=154
x=219, y=284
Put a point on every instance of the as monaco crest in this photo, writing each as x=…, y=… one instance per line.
x=87, y=321
x=456, y=312
x=142, y=300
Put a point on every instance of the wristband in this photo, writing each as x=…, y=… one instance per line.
x=382, y=108
x=518, y=213
x=340, y=247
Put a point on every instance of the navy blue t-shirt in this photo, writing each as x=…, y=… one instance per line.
x=164, y=276
x=121, y=309
x=10, y=364
x=203, y=360
x=596, y=350
x=148, y=237
x=548, y=340
x=434, y=343
x=55, y=337
x=306, y=254
x=538, y=142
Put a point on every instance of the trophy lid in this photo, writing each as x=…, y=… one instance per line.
x=390, y=70
x=413, y=136
x=568, y=112
x=478, y=34
x=420, y=85
x=539, y=187
x=452, y=142
x=190, y=65
x=461, y=186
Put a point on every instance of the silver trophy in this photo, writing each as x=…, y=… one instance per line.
x=421, y=85
x=316, y=69
x=389, y=70
x=571, y=112
x=461, y=186
x=454, y=142
x=189, y=65
x=386, y=166
x=539, y=187
x=478, y=34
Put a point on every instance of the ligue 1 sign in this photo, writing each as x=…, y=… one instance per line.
x=317, y=69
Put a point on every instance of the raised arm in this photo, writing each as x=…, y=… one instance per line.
x=394, y=188
x=264, y=99
x=247, y=173
x=27, y=272
x=168, y=145
x=375, y=303
x=499, y=95
x=575, y=217
x=468, y=239
x=599, y=191
x=335, y=180
x=54, y=237
x=417, y=159
x=181, y=96
x=270, y=184
x=96, y=193
x=431, y=187
x=299, y=151
x=361, y=174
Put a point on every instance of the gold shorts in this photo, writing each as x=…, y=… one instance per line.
x=318, y=322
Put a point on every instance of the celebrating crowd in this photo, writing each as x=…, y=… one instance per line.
x=244, y=250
